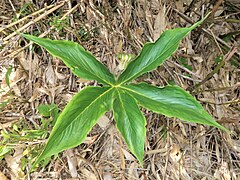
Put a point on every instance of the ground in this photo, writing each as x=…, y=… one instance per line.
x=35, y=87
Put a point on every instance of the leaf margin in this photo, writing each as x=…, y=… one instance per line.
x=133, y=148
x=126, y=76
x=43, y=155
x=108, y=80
x=212, y=122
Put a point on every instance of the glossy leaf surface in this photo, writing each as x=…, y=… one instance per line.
x=87, y=106
x=154, y=54
x=171, y=101
x=82, y=63
x=130, y=122
x=77, y=119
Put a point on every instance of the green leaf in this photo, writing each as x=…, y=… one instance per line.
x=154, y=54
x=44, y=110
x=3, y=104
x=9, y=71
x=171, y=101
x=4, y=150
x=130, y=122
x=81, y=62
x=77, y=119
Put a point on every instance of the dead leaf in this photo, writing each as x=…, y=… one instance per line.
x=133, y=173
x=175, y=153
x=198, y=59
x=107, y=176
x=103, y=122
x=149, y=22
x=35, y=65
x=72, y=163
x=8, y=124
x=14, y=164
x=3, y=177
x=23, y=61
x=223, y=172
x=88, y=174
x=160, y=23
x=127, y=155
x=90, y=140
x=34, y=95
x=59, y=75
x=15, y=77
x=189, y=45
x=219, y=11
x=59, y=89
x=179, y=5
x=66, y=97
x=49, y=74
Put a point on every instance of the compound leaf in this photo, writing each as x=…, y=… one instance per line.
x=77, y=119
x=130, y=122
x=171, y=101
x=81, y=62
x=154, y=54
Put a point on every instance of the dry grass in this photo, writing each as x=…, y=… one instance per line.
x=174, y=150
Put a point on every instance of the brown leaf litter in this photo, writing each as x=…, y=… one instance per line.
x=174, y=149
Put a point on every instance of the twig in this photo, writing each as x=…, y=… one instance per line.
x=24, y=18
x=12, y=5
x=33, y=21
x=186, y=77
x=215, y=8
x=224, y=103
x=217, y=44
x=13, y=54
x=189, y=20
x=211, y=16
x=217, y=68
x=190, y=6
x=185, y=69
x=98, y=176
